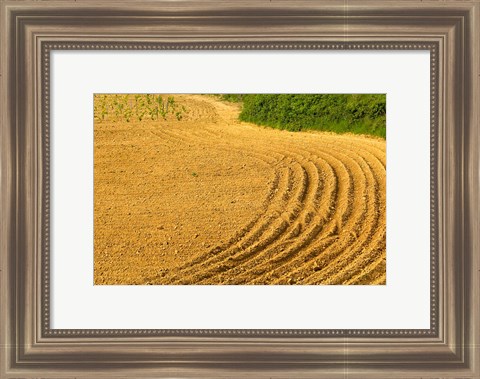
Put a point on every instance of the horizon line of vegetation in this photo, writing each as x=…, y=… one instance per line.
x=339, y=113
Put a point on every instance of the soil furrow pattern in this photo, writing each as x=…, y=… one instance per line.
x=211, y=200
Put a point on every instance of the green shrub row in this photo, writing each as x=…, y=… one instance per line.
x=341, y=113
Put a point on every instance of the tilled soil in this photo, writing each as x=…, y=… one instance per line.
x=212, y=200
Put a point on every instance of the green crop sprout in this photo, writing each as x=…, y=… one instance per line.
x=140, y=107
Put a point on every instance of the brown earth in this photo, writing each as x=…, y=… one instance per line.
x=211, y=200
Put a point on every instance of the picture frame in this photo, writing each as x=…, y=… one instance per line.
x=32, y=29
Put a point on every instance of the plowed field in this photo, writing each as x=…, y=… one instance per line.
x=212, y=200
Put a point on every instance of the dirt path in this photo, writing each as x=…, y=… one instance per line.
x=211, y=200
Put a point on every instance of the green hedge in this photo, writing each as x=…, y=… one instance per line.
x=341, y=113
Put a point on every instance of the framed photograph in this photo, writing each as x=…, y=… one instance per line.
x=232, y=189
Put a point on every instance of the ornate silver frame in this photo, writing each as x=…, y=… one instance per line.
x=31, y=30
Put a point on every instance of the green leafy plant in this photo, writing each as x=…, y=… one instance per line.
x=341, y=113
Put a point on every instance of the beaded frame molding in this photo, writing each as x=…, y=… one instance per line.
x=431, y=47
x=31, y=30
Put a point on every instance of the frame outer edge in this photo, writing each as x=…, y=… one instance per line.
x=7, y=194
x=4, y=154
x=468, y=330
x=473, y=188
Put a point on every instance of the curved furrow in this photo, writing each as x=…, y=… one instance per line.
x=248, y=235
x=252, y=235
x=378, y=238
x=322, y=221
x=313, y=259
x=268, y=160
x=249, y=228
x=305, y=254
x=375, y=267
x=279, y=226
x=338, y=257
x=309, y=237
x=369, y=224
x=246, y=232
x=377, y=153
x=296, y=225
x=381, y=279
x=300, y=248
x=357, y=143
x=376, y=244
x=372, y=250
x=195, y=113
x=269, y=157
